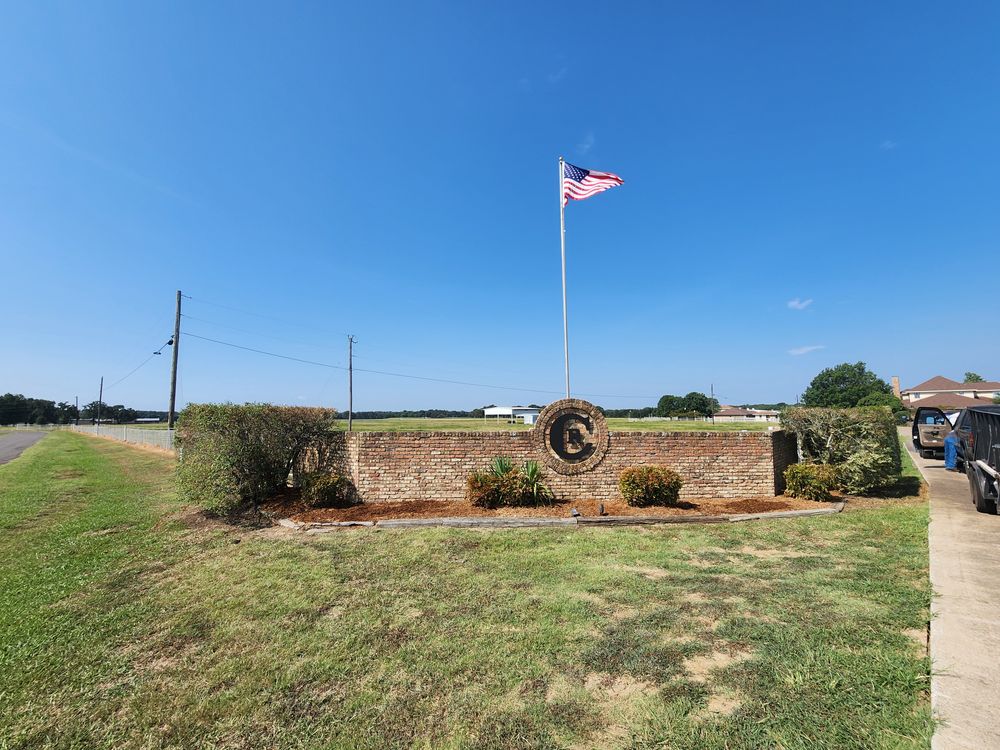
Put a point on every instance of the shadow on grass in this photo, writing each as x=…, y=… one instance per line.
x=904, y=487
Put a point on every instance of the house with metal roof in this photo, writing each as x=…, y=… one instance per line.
x=526, y=414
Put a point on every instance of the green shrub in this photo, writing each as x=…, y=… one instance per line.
x=649, y=485
x=503, y=484
x=811, y=481
x=232, y=455
x=328, y=490
x=861, y=442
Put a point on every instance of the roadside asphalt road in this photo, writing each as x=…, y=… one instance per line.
x=13, y=444
x=965, y=612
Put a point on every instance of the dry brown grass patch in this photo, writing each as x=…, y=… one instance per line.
x=650, y=572
x=701, y=666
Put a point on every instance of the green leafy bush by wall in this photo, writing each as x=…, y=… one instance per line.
x=861, y=442
x=503, y=484
x=232, y=455
x=328, y=489
x=811, y=481
x=649, y=485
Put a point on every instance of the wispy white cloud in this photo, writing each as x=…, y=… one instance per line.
x=800, y=350
x=587, y=143
x=799, y=304
x=555, y=77
x=888, y=145
x=90, y=157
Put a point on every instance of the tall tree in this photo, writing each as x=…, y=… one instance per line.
x=974, y=377
x=700, y=404
x=844, y=386
x=669, y=405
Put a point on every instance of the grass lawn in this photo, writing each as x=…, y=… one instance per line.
x=129, y=621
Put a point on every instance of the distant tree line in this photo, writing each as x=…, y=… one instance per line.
x=16, y=408
x=427, y=413
x=694, y=405
x=415, y=413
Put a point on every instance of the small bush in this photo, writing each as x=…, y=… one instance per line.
x=811, y=481
x=327, y=490
x=649, y=485
x=232, y=455
x=504, y=485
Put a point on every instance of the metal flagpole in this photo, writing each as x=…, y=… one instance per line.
x=562, y=236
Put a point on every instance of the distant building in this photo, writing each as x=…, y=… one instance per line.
x=526, y=414
x=945, y=393
x=739, y=414
x=147, y=420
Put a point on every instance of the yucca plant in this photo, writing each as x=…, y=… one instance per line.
x=501, y=466
x=535, y=488
x=502, y=485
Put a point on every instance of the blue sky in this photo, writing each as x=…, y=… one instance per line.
x=805, y=184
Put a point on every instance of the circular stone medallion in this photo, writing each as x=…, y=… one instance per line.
x=571, y=435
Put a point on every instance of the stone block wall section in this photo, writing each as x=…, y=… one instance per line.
x=394, y=466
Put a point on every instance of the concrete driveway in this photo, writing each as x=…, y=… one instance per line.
x=13, y=444
x=965, y=613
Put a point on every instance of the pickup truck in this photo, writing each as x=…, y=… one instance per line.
x=931, y=426
x=982, y=458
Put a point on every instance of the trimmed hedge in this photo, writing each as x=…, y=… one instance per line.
x=811, y=481
x=649, y=485
x=503, y=484
x=232, y=455
x=861, y=442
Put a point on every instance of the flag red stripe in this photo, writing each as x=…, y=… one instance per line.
x=594, y=182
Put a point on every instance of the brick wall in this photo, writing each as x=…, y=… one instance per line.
x=389, y=466
x=785, y=453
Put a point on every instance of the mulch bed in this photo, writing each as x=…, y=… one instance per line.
x=288, y=505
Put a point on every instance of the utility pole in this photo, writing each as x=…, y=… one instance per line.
x=350, y=383
x=76, y=400
x=173, y=363
x=100, y=399
x=711, y=390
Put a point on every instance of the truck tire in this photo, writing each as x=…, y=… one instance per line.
x=977, y=486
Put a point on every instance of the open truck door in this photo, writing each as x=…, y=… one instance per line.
x=930, y=425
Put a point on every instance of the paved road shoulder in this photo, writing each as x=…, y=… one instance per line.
x=13, y=444
x=965, y=613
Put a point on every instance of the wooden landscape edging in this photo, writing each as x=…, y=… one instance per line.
x=513, y=522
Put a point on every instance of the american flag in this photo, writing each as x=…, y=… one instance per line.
x=579, y=183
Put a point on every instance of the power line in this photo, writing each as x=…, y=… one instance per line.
x=131, y=372
x=298, y=324
x=253, y=333
x=138, y=367
x=261, y=351
x=402, y=375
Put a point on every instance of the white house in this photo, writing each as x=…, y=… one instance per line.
x=738, y=414
x=526, y=414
